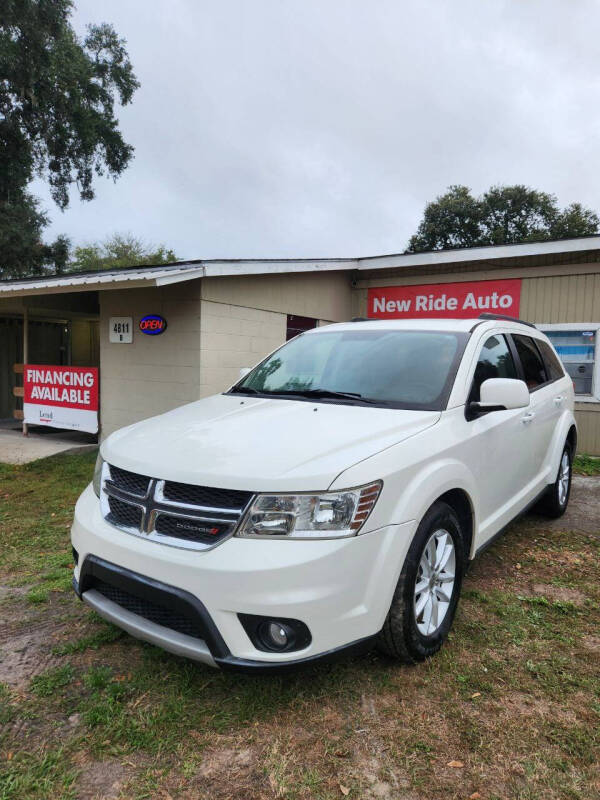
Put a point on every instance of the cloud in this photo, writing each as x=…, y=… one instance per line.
x=301, y=128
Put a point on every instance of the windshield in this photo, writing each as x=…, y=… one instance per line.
x=400, y=369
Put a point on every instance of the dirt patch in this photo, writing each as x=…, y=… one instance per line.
x=12, y=592
x=27, y=636
x=518, y=704
x=228, y=769
x=582, y=515
x=27, y=652
x=592, y=643
x=216, y=762
x=101, y=780
x=559, y=594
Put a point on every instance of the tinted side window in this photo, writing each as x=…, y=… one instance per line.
x=495, y=361
x=553, y=365
x=534, y=372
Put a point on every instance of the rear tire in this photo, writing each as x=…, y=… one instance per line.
x=428, y=589
x=554, y=503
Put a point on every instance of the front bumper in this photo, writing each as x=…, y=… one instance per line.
x=340, y=588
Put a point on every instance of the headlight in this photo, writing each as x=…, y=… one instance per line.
x=97, y=479
x=311, y=516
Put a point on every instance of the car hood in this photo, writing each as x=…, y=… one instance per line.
x=256, y=444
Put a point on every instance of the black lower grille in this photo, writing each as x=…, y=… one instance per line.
x=124, y=514
x=153, y=612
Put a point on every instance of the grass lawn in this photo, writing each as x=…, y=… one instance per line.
x=509, y=709
x=586, y=465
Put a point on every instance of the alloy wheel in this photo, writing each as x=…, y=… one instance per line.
x=435, y=582
x=564, y=478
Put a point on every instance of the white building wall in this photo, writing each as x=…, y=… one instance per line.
x=215, y=327
x=155, y=373
x=244, y=319
x=233, y=337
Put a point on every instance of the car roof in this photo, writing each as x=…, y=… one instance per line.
x=446, y=325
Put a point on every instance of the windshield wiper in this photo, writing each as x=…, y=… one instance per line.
x=325, y=394
x=244, y=390
x=318, y=394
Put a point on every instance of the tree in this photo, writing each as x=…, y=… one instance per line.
x=23, y=251
x=119, y=250
x=453, y=220
x=503, y=215
x=57, y=115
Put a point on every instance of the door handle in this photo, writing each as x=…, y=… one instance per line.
x=526, y=418
x=558, y=400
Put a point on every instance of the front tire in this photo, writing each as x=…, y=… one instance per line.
x=428, y=589
x=554, y=503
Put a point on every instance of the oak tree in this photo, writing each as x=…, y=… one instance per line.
x=58, y=93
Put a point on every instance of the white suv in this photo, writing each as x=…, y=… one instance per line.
x=332, y=498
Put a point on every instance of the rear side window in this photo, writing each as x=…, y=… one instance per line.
x=534, y=372
x=495, y=361
x=553, y=365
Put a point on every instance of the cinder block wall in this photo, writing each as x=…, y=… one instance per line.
x=155, y=373
x=215, y=327
x=233, y=337
x=243, y=319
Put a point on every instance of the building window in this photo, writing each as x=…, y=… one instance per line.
x=296, y=325
x=578, y=349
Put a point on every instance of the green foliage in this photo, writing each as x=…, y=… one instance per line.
x=37, y=775
x=21, y=245
x=119, y=250
x=49, y=682
x=503, y=215
x=57, y=120
x=586, y=465
x=107, y=634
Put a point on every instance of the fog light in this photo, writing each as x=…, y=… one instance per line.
x=276, y=635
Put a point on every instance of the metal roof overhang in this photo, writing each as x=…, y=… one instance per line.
x=129, y=278
x=117, y=279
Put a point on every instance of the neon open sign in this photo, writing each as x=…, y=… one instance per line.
x=153, y=324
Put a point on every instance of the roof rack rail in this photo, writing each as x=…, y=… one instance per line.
x=506, y=318
x=360, y=319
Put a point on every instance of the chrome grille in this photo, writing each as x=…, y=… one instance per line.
x=177, y=514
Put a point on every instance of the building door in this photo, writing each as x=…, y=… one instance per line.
x=296, y=325
x=11, y=352
x=49, y=343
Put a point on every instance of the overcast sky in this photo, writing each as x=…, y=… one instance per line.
x=299, y=128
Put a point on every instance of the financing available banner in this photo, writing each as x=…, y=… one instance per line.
x=61, y=397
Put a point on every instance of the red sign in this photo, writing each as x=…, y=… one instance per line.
x=445, y=300
x=61, y=397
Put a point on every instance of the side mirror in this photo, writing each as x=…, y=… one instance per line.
x=244, y=371
x=500, y=394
